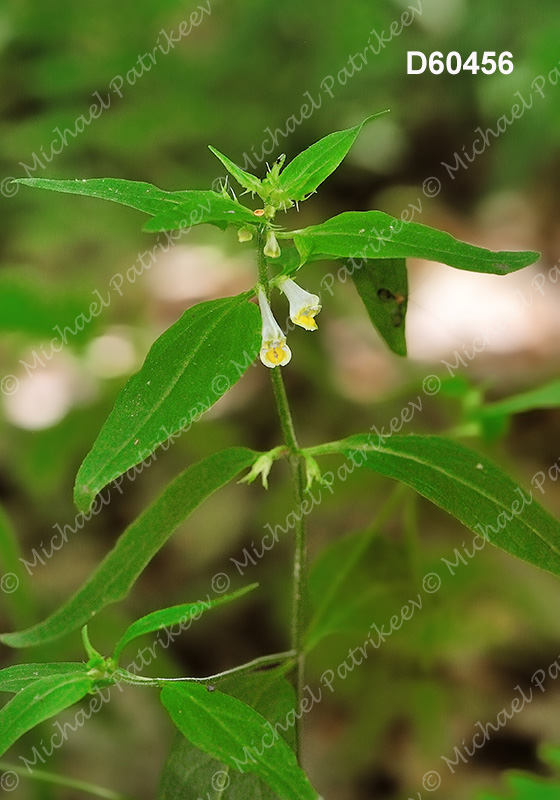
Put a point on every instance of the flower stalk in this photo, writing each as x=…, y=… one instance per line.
x=297, y=463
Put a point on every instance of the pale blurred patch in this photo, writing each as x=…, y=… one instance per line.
x=45, y=396
x=186, y=275
x=112, y=354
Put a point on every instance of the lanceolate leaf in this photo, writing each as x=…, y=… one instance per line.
x=245, y=179
x=374, y=234
x=547, y=396
x=16, y=678
x=197, y=208
x=191, y=770
x=310, y=168
x=383, y=286
x=172, y=210
x=465, y=484
x=40, y=700
x=187, y=370
x=136, y=547
x=237, y=735
x=136, y=194
x=173, y=615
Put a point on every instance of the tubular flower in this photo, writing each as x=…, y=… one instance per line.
x=274, y=350
x=304, y=306
x=244, y=234
x=271, y=248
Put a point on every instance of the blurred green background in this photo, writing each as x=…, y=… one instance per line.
x=82, y=97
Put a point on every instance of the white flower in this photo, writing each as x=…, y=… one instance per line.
x=304, y=306
x=274, y=350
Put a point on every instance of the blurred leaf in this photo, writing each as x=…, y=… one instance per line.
x=136, y=547
x=245, y=179
x=29, y=305
x=39, y=701
x=42, y=776
x=547, y=396
x=525, y=788
x=383, y=286
x=187, y=370
x=13, y=578
x=551, y=754
x=232, y=732
x=309, y=169
x=172, y=615
x=189, y=769
x=465, y=484
x=349, y=571
x=374, y=234
x=351, y=576
x=16, y=678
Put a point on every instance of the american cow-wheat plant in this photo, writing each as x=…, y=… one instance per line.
x=241, y=729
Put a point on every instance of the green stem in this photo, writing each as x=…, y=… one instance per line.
x=298, y=470
x=60, y=780
x=264, y=661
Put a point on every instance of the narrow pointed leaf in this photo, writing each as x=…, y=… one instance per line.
x=186, y=371
x=39, y=701
x=374, y=234
x=199, y=208
x=245, y=179
x=183, y=614
x=139, y=543
x=383, y=286
x=465, y=484
x=547, y=396
x=16, y=678
x=136, y=194
x=172, y=210
x=310, y=168
x=233, y=733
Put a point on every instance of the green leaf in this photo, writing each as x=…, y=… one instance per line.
x=237, y=735
x=136, y=547
x=16, y=678
x=550, y=753
x=174, y=614
x=245, y=179
x=42, y=776
x=465, y=484
x=352, y=574
x=136, y=194
x=199, y=208
x=186, y=371
x=39, y=701
x=547, y=396
x=383, y=286
x=192, y=772
x=525, y=787
x=310, y=168
x=13, y=578
x=172, y=210
x=374, y=234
